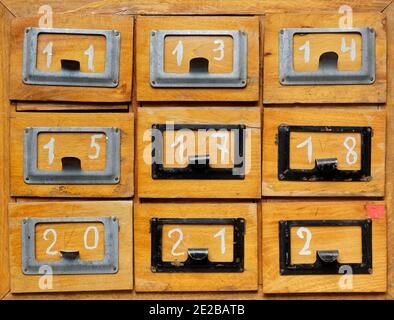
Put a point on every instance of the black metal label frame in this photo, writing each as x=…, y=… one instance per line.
x=198, y=262
x=328, y=170
x=199, y=168
x=324, y=266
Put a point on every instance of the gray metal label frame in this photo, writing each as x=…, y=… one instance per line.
x=288, y=76
x=109, y=265
x=236, y=79
x=109, y=78
x=32, y=175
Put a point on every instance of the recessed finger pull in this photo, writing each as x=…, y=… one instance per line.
x=70, y=254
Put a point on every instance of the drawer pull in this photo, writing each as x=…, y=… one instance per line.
x=326, y=260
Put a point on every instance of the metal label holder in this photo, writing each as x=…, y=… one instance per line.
x=197, y=257
x=198, y=167
x=161, y=79
x=325, y=169
x=70, y=262
x=71, y=77
x=326, y=261
x=329, y=74
x=32, y=175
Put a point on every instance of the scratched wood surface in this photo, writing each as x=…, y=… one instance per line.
x=190, y=7
x=215, y=7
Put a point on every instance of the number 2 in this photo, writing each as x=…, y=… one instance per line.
x=45, y=236
x=177, y=243
x=300, y=233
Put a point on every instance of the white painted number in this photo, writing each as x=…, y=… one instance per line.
x=46, y=237
x=300, y=233
x=90, y=53
x=222, y=146
x=48, y=51
x=96, y=238
x=307, y=142
x=351, y=156
x=177, y=243
x=50, y=146
x=178, y=51
x=220, y=48
x=351, y=49
x=307, y=51
x=179, y=141
x=94, y=144
x=221, y=234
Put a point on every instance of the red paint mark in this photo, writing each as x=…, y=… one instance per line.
x=375, y=211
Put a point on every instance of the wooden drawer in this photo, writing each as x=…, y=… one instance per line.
x=324, y=151
x=196, y=247
x=325, y=246
x=306, y=63
x=199, y=153
x=80, y=59
x=71, y=246
x=72, y=155
x=197, y=58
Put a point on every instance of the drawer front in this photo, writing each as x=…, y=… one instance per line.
x=180, y=146
x=324, y=152
x=79, y=156
x=177, y=244
x=314, y=64
x=324, y=247
x=216, y=57
x=80, y=59
x=71, y=246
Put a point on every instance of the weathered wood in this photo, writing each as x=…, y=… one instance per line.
x=5, y=23
x=191, y=7
x=275, y=211
x=276, y=93
x=148, y=281
x=122, y=280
